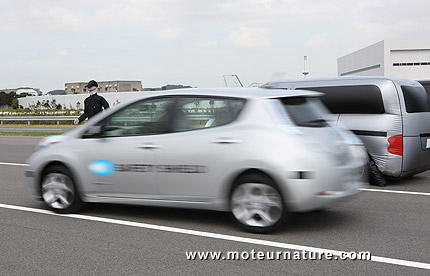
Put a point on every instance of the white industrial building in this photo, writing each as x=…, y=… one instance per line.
x=409, y=59
x=77, y=98
x=104, y=86
x=77, y=101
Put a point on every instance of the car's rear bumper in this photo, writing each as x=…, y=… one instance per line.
x=324, y=189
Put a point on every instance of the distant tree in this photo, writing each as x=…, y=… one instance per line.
x=10, y=97
x=15, y=103
x=197, y=103
x=211, y=103
x=54, y=104
x=3, y=98
x=6, y=98
x=46, y=104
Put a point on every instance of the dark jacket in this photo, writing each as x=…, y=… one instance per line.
x=93, y=105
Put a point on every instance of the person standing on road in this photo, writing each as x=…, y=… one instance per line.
x=92, y=104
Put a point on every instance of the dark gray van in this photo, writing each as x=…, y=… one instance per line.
x=391, y=116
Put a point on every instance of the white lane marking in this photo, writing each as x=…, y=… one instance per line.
x=394, y=192
x=14, y=164
x=218, y=236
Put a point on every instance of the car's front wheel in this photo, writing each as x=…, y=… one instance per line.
x=59, y=191
x=256, y=204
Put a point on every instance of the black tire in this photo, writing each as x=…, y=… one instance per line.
x=59, y=191
x=256, y=204
x=376, y=178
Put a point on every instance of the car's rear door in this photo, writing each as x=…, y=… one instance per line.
x=196, y=156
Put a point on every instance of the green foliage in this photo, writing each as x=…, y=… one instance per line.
x=38, y=112
x=46, y=104
x=28, y=133
x=15, y=104
x=6, y=98
x=11, y=99
x=37, y=123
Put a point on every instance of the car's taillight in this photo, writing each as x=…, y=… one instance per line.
x=396, y=145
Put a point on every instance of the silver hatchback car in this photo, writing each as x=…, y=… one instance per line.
x=255, y=153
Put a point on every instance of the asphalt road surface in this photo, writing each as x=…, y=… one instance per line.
x=392, y=223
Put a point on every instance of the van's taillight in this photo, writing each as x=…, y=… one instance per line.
x=396, y=145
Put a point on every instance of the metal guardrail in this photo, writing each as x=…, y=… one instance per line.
x=72, y=118
x=191, y=117
x=37, y=118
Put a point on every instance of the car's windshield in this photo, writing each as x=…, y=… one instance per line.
x=305, y=112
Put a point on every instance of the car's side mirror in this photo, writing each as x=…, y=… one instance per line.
x=93, y=132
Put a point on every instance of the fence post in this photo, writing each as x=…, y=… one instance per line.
x=28, y=122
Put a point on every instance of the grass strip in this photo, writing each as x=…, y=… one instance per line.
x=7, y=124
x=28, y=133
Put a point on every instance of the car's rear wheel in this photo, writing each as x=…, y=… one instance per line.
x=59, y=190
x=256, y=204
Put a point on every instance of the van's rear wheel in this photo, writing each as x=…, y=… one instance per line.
x=375, y=176
x=256, y=204
x=59, y=191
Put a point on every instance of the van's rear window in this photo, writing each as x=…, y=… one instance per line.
x=416, y=99
x=353, y=99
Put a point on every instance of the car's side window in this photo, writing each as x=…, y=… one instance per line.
x=197, y=113
x=147, y=117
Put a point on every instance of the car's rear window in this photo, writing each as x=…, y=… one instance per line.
x=305, y=112
x=416, y=99
x=351, y=99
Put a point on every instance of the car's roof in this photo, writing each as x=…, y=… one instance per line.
x=235, y=92
x=341, y=78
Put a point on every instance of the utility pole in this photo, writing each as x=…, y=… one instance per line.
x=305, y=73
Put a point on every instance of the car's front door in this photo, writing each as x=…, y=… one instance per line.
x=122, y=158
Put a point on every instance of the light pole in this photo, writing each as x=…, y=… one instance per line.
x=305, y=73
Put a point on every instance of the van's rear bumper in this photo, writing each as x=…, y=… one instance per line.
x=416, y=155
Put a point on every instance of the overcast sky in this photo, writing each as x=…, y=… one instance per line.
x=46, y=43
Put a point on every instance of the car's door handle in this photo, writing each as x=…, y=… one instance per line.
x=149, y=146
x=227, y=141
